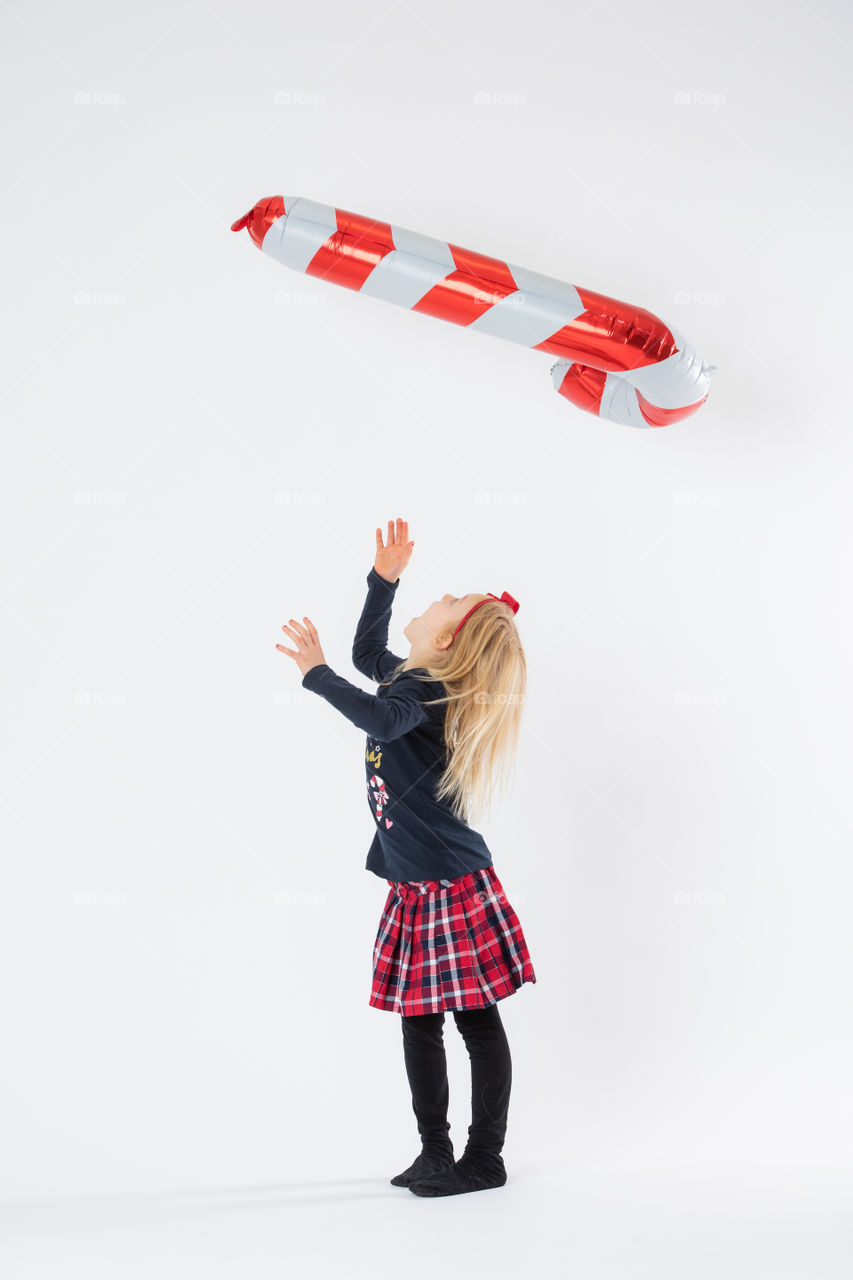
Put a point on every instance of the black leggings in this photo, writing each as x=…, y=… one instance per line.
x=491, y=1079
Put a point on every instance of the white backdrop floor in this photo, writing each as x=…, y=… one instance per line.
x=563, y=1220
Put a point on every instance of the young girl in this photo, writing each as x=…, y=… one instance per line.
x=441, y=727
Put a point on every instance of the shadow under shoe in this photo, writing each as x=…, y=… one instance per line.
x=427, y=1165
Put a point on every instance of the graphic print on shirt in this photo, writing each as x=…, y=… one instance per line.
x=376, y=792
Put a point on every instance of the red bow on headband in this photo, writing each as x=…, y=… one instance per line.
x=504, y=596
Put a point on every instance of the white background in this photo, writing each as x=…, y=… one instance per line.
x=199, y=444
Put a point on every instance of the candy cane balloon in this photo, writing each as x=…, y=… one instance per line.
x=616, y=360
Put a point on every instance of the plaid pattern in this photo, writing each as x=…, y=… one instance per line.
x=448, y=944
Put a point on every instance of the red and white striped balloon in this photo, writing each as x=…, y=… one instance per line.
x=616, y=360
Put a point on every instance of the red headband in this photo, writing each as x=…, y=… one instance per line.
x=504, y=596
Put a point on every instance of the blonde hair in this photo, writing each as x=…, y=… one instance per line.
x=484, y=673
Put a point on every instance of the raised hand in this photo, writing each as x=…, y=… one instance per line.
x=308, y=653
x=393, y=556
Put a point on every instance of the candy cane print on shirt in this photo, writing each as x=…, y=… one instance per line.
x=376, y=791
x=380, y=798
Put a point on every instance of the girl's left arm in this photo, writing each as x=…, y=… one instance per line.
x=383, y=718
x=399, y=710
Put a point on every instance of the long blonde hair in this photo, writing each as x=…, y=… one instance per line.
x=484, y=673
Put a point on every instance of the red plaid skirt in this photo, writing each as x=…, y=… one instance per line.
x=448, y=944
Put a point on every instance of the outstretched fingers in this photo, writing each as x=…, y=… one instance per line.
x=396, y=538
x=297, y=629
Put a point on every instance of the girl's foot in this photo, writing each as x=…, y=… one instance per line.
x=464, y=1175
x=426, y=1165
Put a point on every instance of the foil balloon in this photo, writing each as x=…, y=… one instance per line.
x=615, y=360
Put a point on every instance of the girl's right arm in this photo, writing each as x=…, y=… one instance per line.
x=370, y=654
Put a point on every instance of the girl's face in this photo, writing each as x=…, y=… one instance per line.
x=434, y=628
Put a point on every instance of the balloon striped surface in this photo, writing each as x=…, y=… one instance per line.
x=615, y=360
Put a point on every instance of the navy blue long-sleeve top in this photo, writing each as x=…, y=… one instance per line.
x=417, y=836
